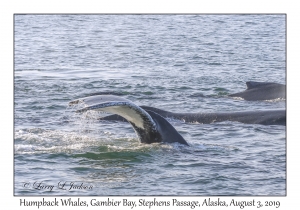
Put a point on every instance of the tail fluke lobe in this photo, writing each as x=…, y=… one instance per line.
x=166, y=130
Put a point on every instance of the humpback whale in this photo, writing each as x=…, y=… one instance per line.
x=149, y=126
x=264, y=117
x=262, y=91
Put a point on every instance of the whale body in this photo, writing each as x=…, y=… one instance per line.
x=264, y=117
x=262, y=91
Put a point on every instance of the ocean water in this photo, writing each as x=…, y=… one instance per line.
x=154, y=60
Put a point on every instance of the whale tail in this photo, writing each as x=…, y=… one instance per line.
x=149, y=126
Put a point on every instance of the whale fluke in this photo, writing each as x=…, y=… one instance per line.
x=149, y=126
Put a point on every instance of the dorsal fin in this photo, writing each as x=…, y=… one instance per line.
x=149, y=126
x=251, y=84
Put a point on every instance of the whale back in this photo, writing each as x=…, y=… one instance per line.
x=262, y=91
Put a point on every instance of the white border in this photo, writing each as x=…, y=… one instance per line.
x=9, y=7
